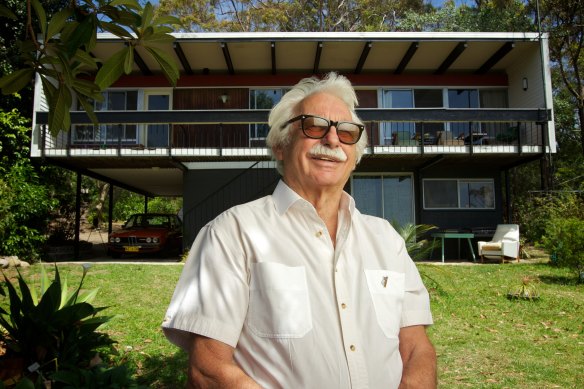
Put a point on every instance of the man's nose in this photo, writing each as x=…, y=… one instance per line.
x=332, y=137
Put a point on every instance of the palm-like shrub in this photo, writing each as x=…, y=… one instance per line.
x=415, y=237
x=51, y=336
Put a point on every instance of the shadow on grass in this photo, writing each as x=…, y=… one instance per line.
x=571, y=280
x=164, y=372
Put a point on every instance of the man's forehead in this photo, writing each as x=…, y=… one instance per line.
x=321, y=103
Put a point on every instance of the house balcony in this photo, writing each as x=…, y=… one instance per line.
x=238, y=135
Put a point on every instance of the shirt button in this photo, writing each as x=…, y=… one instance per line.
x=343, y=305
x=319, y=234
x=352, y=348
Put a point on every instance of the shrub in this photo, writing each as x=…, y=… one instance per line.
x=564, y=240
x=538, y=211
x=24, y=205
x=414, y=236
x=52, y=340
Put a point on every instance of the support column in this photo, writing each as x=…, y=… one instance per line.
x=110, y=211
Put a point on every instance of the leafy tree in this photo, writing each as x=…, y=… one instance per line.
x=24, y=201
x=58, y=48
x=488, y=15
x=563, y=19
x=286, y=15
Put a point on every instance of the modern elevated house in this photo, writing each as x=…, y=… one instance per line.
x=447, y=115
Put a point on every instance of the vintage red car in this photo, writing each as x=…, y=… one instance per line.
x=147, y=233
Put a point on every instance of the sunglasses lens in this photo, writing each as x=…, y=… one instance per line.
x=315, y=127
x=348, y=132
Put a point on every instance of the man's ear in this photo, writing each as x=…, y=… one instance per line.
x=278, y=152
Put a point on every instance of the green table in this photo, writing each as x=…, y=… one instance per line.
x=453, y=235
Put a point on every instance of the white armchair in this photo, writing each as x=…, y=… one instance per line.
x=505, y=243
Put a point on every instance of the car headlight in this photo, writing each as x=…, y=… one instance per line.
x=155, y=240
x=118, y=240
x=112, y=239
x=148, y=240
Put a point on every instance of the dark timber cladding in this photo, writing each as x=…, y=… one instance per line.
x=261, y=116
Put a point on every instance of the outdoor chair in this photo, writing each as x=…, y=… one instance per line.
x=505, y=243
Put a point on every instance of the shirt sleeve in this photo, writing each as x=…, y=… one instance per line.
x=212, y=294
x=416, y=305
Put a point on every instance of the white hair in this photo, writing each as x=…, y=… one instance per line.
x=333, y=84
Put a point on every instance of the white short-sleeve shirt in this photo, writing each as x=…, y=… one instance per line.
x=265, y=278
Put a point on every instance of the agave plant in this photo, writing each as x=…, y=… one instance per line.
x=414, y=235
x=50, y=331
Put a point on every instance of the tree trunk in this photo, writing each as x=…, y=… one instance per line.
x=103, y=191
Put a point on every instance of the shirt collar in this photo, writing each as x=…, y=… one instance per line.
x=284, y=198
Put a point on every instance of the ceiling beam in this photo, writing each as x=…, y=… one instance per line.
x=407, y=58
x=140, y=63
x=273, y=51
x=182, y=58
x=499, y=54
x=363, y=58
x=227, y=57
x=454, y=54
x=317, y=58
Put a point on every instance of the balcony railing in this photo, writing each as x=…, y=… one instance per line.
x=389, y=130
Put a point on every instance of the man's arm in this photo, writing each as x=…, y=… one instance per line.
x=419, y=358
x=211, y=365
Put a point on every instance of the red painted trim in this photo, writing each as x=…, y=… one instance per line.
x=358, y=80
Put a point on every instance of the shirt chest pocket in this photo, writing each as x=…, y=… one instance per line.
x=279, y=305
x=387, y=293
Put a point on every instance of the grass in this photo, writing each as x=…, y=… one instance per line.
x=483, y=340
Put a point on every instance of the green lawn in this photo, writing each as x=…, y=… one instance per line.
x=483, y=340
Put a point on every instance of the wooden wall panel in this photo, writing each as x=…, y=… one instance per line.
x=211, y=135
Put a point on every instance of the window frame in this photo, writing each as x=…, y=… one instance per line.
x=459, y=183
x=103, y=133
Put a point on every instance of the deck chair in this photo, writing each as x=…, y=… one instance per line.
x=505, y=243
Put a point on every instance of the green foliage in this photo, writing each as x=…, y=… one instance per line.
x=486, y=16
x=538, y=211
x=24, y=205
x=414, y=235
x=128, y=203
x=55, y=330
x=564, y=239
x=59, y=48
x=14, y=139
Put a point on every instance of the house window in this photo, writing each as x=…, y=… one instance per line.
x=463, y=98
x=394, y=133
x=109, y=133
x=262, y=99
x=428, y=98
x=387, y=196
x=459, y=194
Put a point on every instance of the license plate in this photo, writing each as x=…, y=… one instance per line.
x=132, y=249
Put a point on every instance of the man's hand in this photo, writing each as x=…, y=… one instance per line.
x=211, y=365
x=418, y=357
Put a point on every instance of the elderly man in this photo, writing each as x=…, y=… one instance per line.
x=299, y=289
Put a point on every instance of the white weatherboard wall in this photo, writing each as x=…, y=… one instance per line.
x=539, y=92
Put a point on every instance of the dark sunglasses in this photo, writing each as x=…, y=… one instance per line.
x=315, y=127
